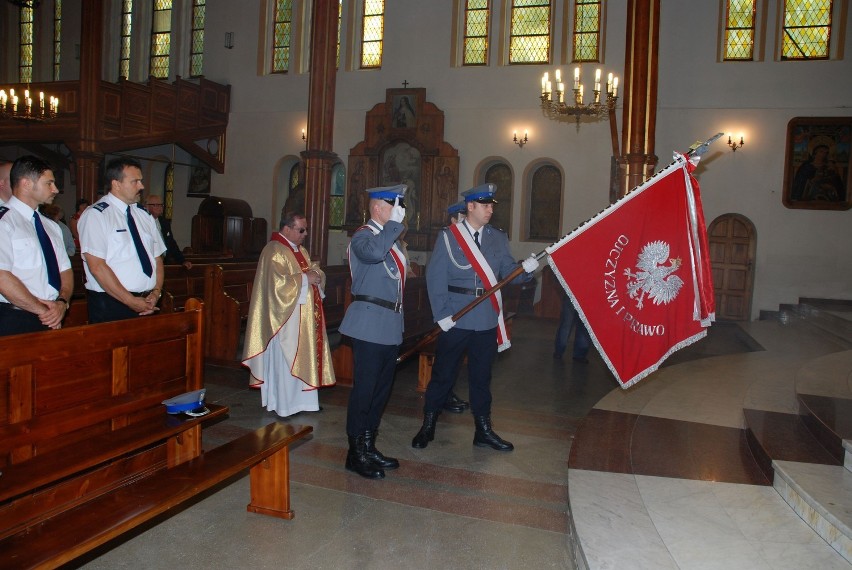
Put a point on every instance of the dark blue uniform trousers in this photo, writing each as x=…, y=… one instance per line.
x=481, y=347
x=375, y=366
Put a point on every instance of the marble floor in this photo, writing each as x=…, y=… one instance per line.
x=661, y=477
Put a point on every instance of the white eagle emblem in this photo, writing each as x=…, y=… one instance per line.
x=652, y=277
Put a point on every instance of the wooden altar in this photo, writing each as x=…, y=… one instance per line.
x=404, y=143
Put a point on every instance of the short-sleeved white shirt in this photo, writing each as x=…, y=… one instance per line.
x=104, y=233
x=20, y=250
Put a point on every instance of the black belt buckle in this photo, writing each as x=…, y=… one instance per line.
x=479, y=291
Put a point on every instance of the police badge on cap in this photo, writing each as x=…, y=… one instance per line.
x=484, y=194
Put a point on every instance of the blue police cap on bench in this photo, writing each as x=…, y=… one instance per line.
x=191, y=403
x=484, y=194
x=459, y=206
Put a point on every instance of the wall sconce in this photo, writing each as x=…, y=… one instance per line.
x=520, y=142
x=229, y=40
x=734, y=144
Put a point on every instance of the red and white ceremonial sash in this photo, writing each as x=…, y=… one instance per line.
x=639, y=274
x=486, y=275
x=396, y=254
x=316, y=299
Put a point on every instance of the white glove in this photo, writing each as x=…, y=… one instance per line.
x=397, y=212
x=446, y=323
x=530, y=264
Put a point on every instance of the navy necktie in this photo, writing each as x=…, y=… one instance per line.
x=137, y=241
x=49, y=255
x=476, y=239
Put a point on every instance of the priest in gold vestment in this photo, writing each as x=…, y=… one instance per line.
x=286, y=345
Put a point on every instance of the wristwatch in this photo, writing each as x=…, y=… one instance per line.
x=67, y=304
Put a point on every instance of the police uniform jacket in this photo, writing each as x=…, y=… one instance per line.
x=449, y=267
x=374, y=273
x=105, y=234
x=20, y=250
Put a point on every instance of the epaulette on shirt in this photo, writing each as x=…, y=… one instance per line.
x=101, y=206
x=3, y=210
x=140, y=206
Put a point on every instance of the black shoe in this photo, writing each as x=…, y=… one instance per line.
x=427, y=431
x=356, y=459
x=486, y=437
x=374, y=455
x=455, y=404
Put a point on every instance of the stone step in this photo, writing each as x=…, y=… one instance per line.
x=822, y=496
x=829, y=419
x=823, y=316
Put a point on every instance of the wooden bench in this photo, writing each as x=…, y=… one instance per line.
x=337, y=284
x=70, y=533
x=83, y=433
x=227, y=294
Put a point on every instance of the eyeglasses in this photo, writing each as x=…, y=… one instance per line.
x=157, y=205
x=300, y=230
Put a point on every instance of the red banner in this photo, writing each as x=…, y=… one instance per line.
x=639, y=273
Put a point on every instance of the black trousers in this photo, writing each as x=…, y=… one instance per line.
x=481, y=347
x=18, y=321
x=375, y=366
x=104, y=308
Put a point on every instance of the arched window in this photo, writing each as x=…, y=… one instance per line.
x=57, y=37
x=338, y=198
x=501, y=175
x=169, y=191
x=476, y=19
x=544, y=203
x=282, y=35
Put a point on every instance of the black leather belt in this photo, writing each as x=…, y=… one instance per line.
x=395, y=307
x=142, y=294
x=478, y=292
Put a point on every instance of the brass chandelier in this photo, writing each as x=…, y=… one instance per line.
x=555, y=106
x=26, y=108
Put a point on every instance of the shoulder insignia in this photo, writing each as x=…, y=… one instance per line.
x=141, y=207
x=3, y=210
x=101, y=206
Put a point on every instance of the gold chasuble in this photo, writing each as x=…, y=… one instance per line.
x=275, y=302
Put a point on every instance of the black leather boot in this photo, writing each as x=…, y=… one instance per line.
x=427, y=431
x=376, y=456
x=455, y=404
x=485, y=436
x=357, y=461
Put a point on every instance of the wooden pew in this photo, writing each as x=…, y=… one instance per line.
x=227, y=293
x=87, y=451
x=337, y=284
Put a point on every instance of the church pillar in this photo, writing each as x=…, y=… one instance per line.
x=318, y=157
x=638, y=160
x=87, y=152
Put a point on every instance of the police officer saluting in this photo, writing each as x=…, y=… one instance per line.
x=121, y=248
x=374, y=322
x=35, y=272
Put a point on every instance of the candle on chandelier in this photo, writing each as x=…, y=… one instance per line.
x=544, y=83
x=597, y=80
x=615, y=87
x=609, y=84
x=561, y=88
x=558, y=75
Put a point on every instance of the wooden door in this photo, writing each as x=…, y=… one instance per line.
x=732, y=248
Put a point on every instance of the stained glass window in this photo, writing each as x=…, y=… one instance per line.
x=57, y=37
x=739, y=30
x=169, y=191
x=807, y=29
x=196, y=48
x=25, y=50
x=339, y=21
x=338, y=184
x=372, y=33
x=476, y=17
x=282, y=33
x=587, y=30
x=529, y=41
x=124, y=50
x=161, y=38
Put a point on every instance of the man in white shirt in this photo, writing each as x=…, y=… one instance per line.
x=35, y=272
x=122, y=249
x=5, y=183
